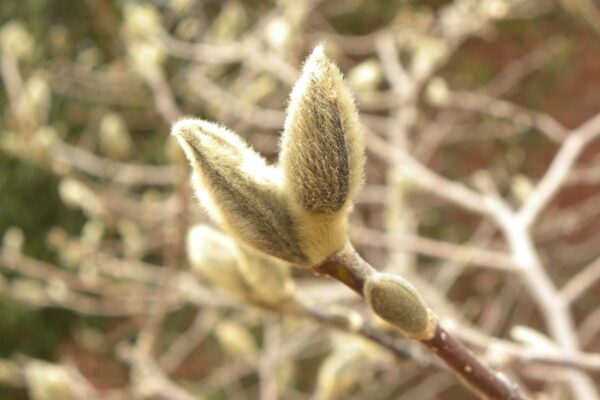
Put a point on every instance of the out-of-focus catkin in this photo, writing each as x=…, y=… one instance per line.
x=244, y=273
x=213, y=255
x=396, y=301
x=322, y=155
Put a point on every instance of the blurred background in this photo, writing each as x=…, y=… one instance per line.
x=99, y=296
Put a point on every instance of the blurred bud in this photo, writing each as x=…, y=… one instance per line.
x=427, y=54
x=92, y=232
x=322, y=156
x=366, y=76
x=213, y=255
x=13, y=239
x=46, y=381
x=77, y=195
x=44, y=137
x=115, y=140
x=494, y=9
x=34, y=103
x=141, y=20
x=533, y=338
x=396, y=301
x=146, y=58
x=521, y=187
x=57, y=290
x=15, y=40
x=238, y=189
x=278, y=34
x=343, y=368
x=344, y=317
x=229, y=24
x=437, y=92
x=56, y=237
x=235, y=339
x=28, y=291
x=269, y=279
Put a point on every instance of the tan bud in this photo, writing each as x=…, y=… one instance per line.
x=396, y=301
x=213, y=255
x=322, y=155
x=268, y=278
x=235, y=339
x=15, y=39
x=47, y=381
x=114, y=137
x=239, y=190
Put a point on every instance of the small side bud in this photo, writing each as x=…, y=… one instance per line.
x=322, y=155
x=268, y=278
x=213, y=255
x=239, y=190
x=396, y=301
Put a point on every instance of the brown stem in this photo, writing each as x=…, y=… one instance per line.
x=349, y=268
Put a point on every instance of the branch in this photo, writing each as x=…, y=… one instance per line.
x=559, y=169
x=349, y=268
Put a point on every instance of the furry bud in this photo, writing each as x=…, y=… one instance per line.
x=322, y=155
x=396, y=301
x=244, y=273
x=268, y=278
x=239, y=190
x=213, y=255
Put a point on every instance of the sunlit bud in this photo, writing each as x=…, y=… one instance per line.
x=229, y=24
x=235, y=339
x=521, y=187
x=46, y=381
x=437, y=91
x=366, y=76
x=13, y=239
x=239, y=190
x=343, y=368
x=141, y=20
x=427, y=54
x=114, y=137
x=396, y=301
x=146, y=58
x=532, y=338
x=322, y=155
x=34, y=103
x=213, y=255
x=15, y=40
x=278, y=34
x=75, y=194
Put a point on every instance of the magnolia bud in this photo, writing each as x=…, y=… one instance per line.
x=322, y=155
x=46, y=381
x=396, y=301
x=235, y=339
x=114, y=138
x=268, y=278
x=239, y=190
x=213, y=255
x=15, y=40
